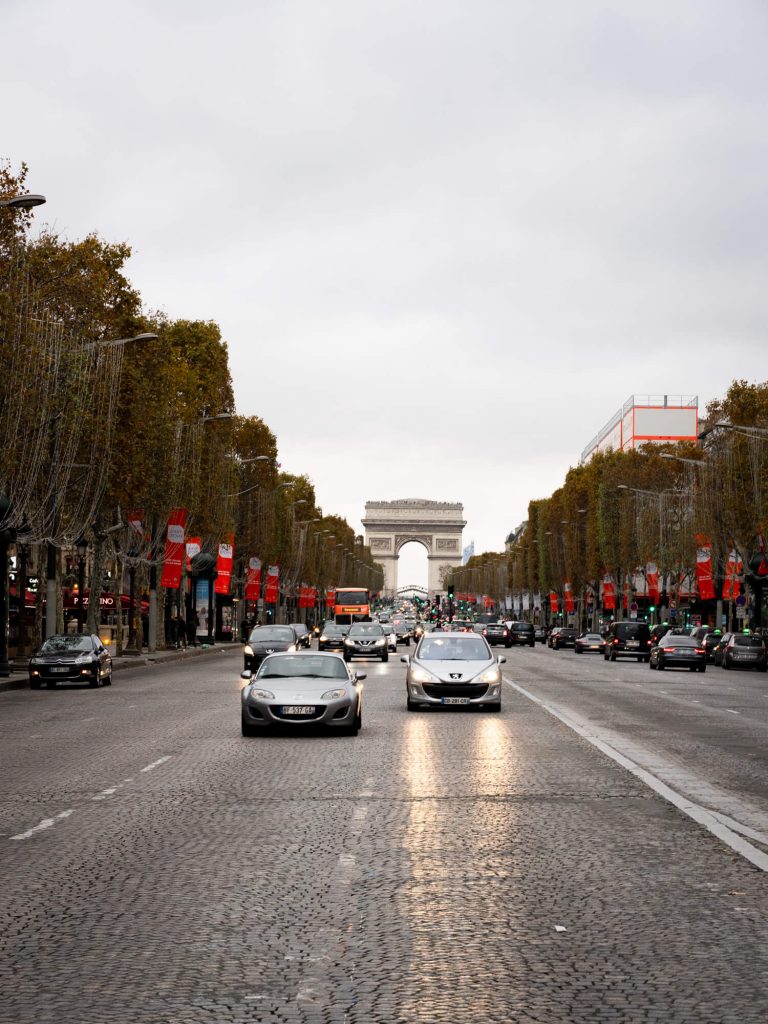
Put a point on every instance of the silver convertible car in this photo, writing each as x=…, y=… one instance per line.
x=297, y=689
x=453, y=669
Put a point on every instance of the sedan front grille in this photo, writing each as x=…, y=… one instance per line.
x=454, y=690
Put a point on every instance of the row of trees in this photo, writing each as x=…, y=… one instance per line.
x=658, y=505
x=107, y=407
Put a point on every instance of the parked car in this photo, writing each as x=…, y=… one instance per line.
x=566, y=637
x=453, y=669
x=365, y=640
x=497, y=633
x=292, y=690
x=71, y=658
x=742, y=650
x=589, y=643
x=303, y=635
x=678, y=652
x=266, y=640
x=628, y=639
x=522, y=633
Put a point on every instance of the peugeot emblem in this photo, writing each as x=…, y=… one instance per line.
x=455, y=675
x=270, y=650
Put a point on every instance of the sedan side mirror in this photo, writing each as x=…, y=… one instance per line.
x=406, y=659
x=501, y=659
x=246, y=673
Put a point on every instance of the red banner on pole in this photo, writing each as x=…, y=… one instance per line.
x=330, y=597
x=253, y=580
x=732, y=584
x=704, y=572
x=609, y=594
x=553, y=602
x=652, y=582
x=224, y=566
x=568, y=596
x=174, y=549
x=272, y=588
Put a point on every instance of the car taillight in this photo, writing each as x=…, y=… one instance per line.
x=699, y=650
x=616, y=640
x=648, y=642
x=668, y=650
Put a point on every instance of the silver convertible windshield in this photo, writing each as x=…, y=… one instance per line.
x=297, y=665
x=453, y=648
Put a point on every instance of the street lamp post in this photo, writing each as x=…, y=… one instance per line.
x=81, y=544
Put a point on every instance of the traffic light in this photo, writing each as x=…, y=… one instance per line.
x=451, y=591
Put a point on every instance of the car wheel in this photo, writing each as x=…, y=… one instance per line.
x=612, y=656
x=357, y=725
x=107, y=680
x=385, y=656
x=247, y=728
x=532, y=643
x=693, y=668
x=646, y=658
x=577, y=650
x=96, y=681
x=660, y=665
x=725, y=663
x=347, y=657
x=702, y=668
x=641, y=658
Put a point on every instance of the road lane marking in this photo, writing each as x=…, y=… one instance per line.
x=44, y=824
x=713, y=821
x=156, y=764
x=731, y=712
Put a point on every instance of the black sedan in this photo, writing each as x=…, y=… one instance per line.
x=266, y=640
x=71, y=658
x=332, y=637
x=564, y=637
x=497, y=633
x=522, y=633
x=679, y=652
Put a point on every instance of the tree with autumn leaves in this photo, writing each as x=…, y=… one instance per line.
x=164, y=435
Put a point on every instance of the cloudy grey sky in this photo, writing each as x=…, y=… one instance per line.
x=444, y=240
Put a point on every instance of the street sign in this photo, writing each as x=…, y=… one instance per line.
x=741, y=612
x=741, y=601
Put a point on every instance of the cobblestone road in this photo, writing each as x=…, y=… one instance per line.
x=439, y=867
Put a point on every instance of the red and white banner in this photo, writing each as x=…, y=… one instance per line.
x=307, y=596
x=224, y=566
x=704, y=582
x=732, y=585
x=330, y=597
x=609, y=594
x=253, y=579
x=136, y=520
x=568, y=596
x=174, y=549
x=272, y=588
x=553, y=602
x=652, y=582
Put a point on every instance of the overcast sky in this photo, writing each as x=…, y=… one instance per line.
x=444, y=240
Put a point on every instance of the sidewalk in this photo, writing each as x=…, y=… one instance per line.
x=19, y=677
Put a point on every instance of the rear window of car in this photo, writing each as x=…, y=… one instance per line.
x=630, y=630
x=679, y=641
x=522, y=627
x=747, y=641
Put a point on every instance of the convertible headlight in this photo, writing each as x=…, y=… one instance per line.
x=420, y=675
x=248, y=650
x=261, y=694
x=491, y=675
x=334, y=694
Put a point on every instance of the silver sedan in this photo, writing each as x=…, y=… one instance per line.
x=294, y=690
x=453, y=669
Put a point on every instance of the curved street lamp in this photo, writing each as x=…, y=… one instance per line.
x=26, y=202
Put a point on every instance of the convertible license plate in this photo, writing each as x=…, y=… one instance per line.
x=455, y=700
x=63, y=669
x=298, y=709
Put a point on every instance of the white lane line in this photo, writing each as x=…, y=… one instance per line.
x=92, y=719
x=45, y=823
x=106, y=792
x=731, y=712
x=156, y=764
x=712, y=821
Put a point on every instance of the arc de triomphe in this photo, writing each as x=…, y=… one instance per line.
x=438, y=525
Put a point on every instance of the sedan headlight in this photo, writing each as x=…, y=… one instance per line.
x=491, y=675
x=248, y=650
x=348, y=641
x=381, y=641
x=323, y=638
x=420, y=675
x=261, y=694
x=334, y=694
